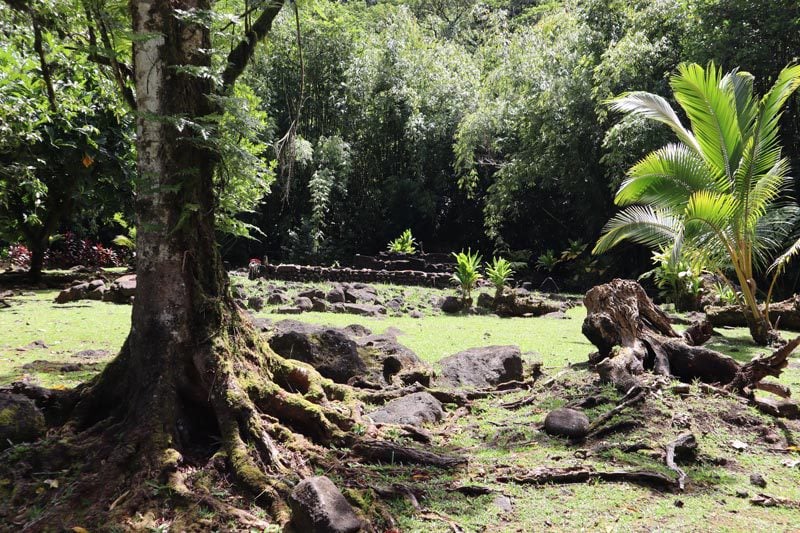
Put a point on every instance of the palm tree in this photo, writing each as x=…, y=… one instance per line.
x=722, y=187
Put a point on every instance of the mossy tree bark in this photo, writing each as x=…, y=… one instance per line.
x=193, y=370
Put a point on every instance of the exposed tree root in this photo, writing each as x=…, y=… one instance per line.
x=582, y=474
x=634, y=396
x=390, y=452
x=237, y=401
x=765, y=500
x=683, y=444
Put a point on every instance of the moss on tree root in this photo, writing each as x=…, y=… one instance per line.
x=270, y=414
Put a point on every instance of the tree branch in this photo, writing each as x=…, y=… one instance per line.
x=241, y=55
x=48, y=81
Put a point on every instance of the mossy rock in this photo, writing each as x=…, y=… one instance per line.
x=20, y=420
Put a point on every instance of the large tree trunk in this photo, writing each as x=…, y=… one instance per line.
x=38, y=250
x=193, y=371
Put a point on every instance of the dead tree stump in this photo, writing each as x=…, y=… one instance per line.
x=633, y=336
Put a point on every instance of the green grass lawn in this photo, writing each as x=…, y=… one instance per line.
x=496, y=439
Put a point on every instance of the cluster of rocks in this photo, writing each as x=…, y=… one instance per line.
x=516, y=302
x=120, y=291
x=351, y=298
x=356, y=356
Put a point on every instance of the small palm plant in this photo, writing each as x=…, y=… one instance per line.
x=723, y=187
x=404, y=244
x=547, y=261
x=499, y=272
x=466, y=274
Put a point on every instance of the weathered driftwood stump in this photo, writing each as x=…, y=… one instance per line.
x=633, y=336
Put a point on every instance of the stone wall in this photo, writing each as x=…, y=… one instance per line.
x=308, y=273
x=437, y=263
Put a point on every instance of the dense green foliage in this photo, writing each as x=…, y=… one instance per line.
x=66, y=147
x=479, y=123
x=470, y=123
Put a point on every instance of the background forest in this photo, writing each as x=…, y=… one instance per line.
x=474, y=124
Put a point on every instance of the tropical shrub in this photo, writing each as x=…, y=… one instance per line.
x=721, y=187
x=404, y=244
x=678, y=279
x=19, y=256
x=69, y=250
x=467, y=274
x=127, y=240
x=499, y=272
x=547, y=261
x=725, y=293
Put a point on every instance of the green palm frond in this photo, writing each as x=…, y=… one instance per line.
x=712, y=210
x=656, y=108
x=710, y=106
x=671, y=173
x=642, y=224
x=720, y=190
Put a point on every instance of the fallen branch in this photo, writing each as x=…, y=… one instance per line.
x=433, y=515
x=757, y=369
x=683, y=444
x=390, y=452
x=582, y=474
x=472, y=490
x=516, y=404
x=778, y=389
x=765, y=500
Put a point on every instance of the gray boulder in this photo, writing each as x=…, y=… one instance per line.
x=452, y=304
x=277, y=298
x=319, y=305
x=318, y=506
x=360, y=295
x=509, y=303
x=335, y=295
x=350, y=354
x=303, y=303
x=330, y=351
x=20, y=420
x=122, y=290
x=485, y=300
x=357, y=330
x=565, y=422
x=414, y=410
x=256, y=303
x=359, y=309
x=312, y=293
x=481, y=367
x=288, y=310
x=389, y=362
